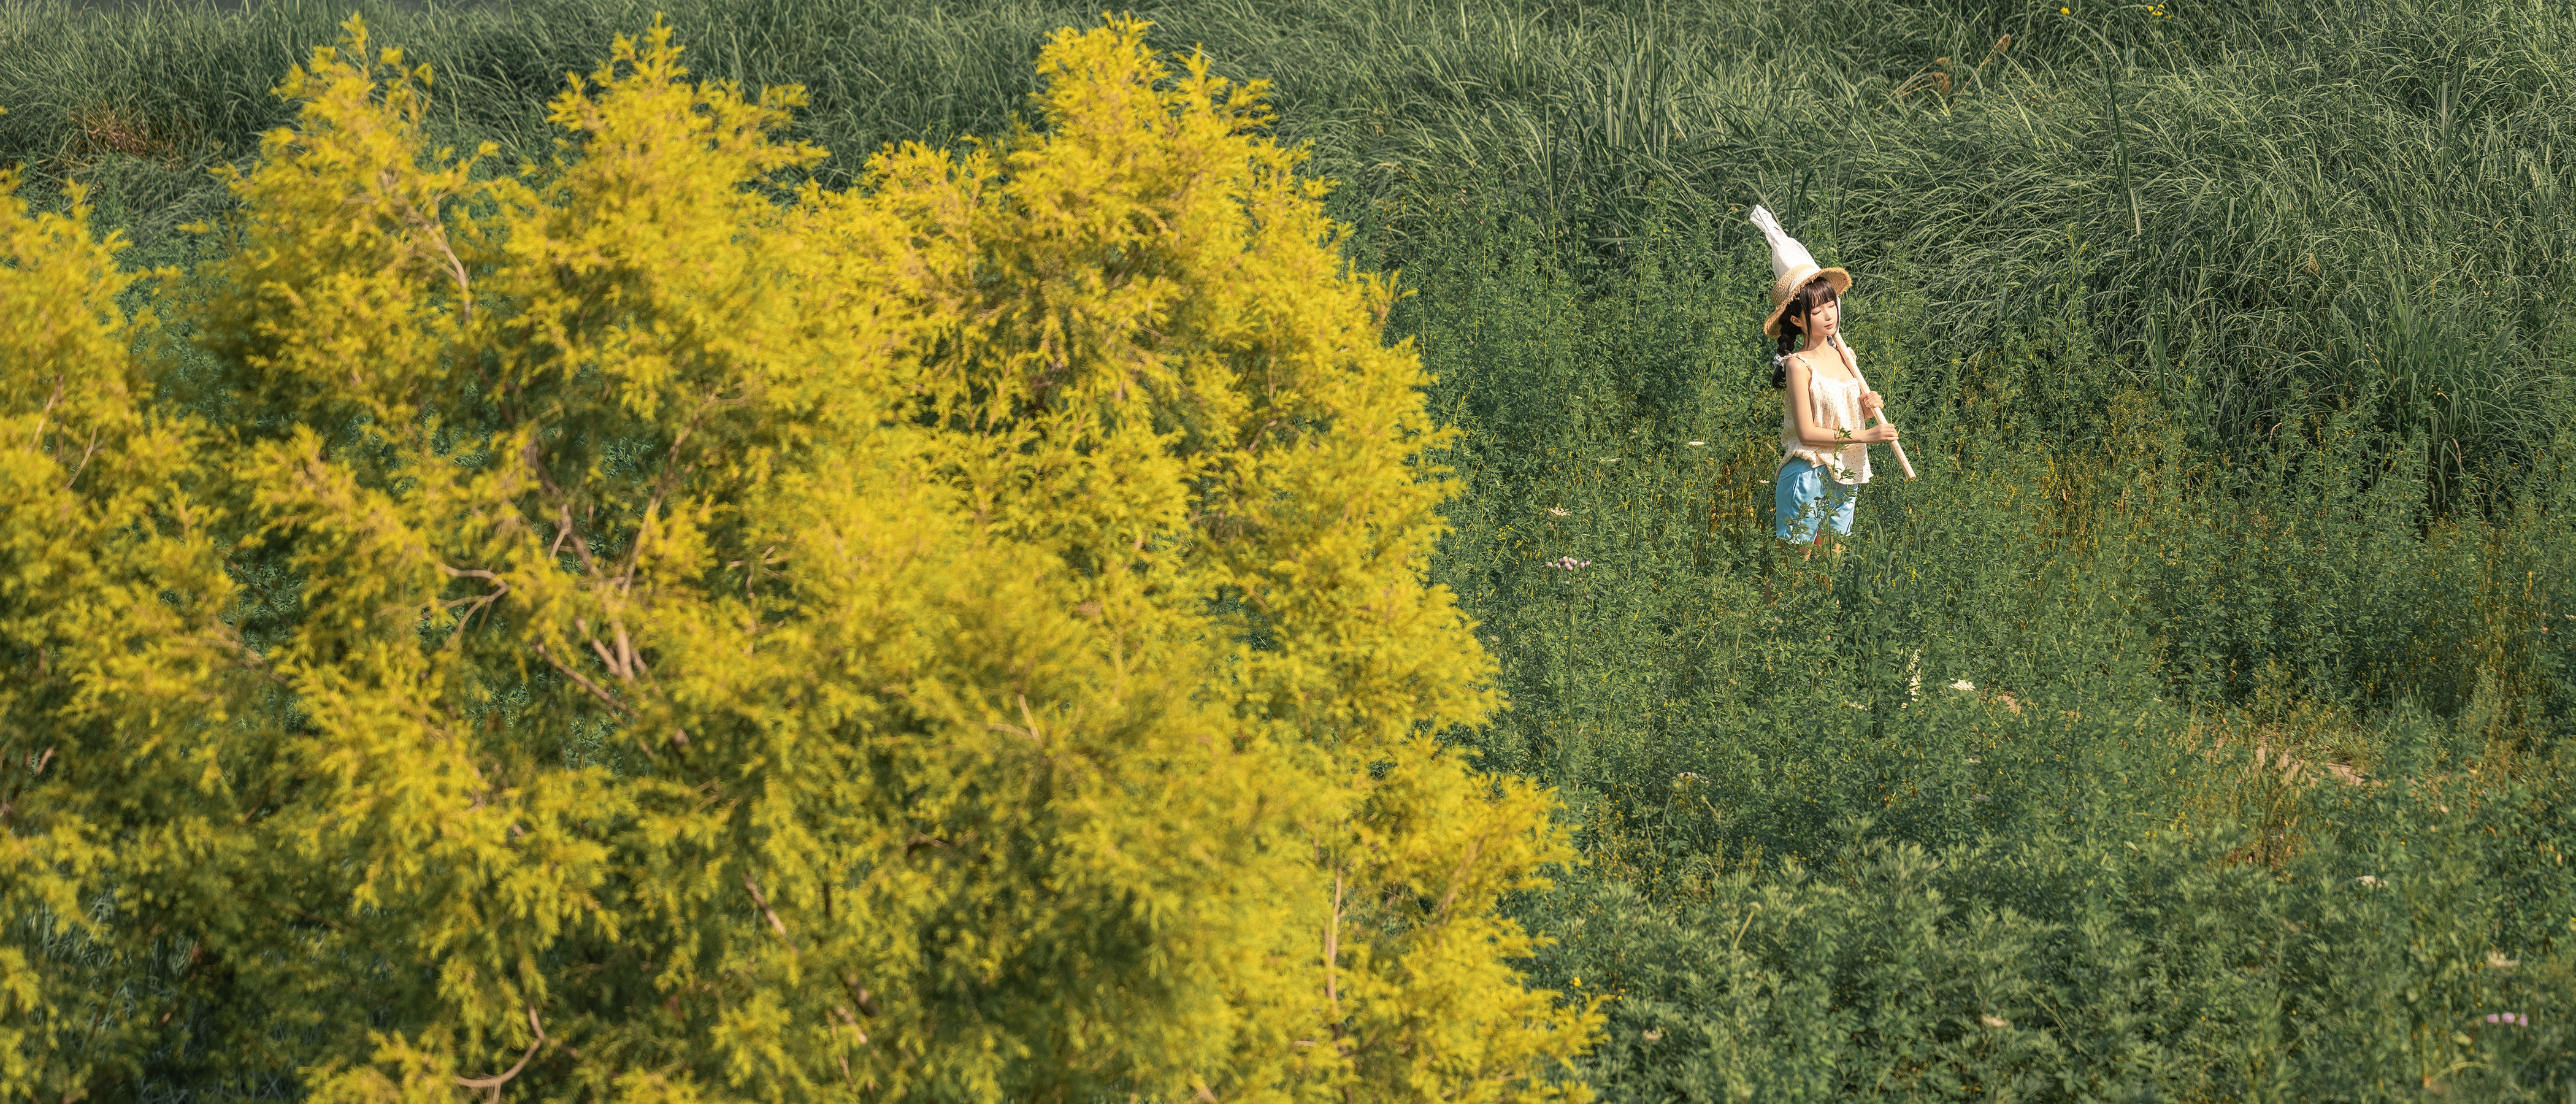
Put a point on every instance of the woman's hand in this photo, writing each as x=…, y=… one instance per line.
x=1880, y=434
x=1871, y=404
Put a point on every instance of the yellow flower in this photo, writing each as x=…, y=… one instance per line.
x=2065, y=11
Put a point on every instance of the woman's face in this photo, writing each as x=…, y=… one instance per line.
x=1823, y=321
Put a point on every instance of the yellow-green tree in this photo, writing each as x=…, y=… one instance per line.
x=640, y=628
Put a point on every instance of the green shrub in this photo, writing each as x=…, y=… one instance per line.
x=2200, y=698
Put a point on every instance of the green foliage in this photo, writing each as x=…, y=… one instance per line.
x=2057, y=968
x=2251, y=785
x=2263, y=182
x=2228, y=337
x=680, y=645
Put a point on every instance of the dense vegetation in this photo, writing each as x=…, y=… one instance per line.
x=608, y=633
x=2197, y=727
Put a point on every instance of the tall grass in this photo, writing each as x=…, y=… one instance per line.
x=2261, y=181
x=2106, y=740
x=2230, y=339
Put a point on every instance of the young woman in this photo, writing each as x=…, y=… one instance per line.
x=1825, y=407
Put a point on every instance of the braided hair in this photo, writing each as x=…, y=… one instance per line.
x=1802, y=302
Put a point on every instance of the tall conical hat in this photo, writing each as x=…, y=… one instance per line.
x=1791, y=268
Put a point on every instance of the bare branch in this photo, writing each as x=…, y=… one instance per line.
x=562, y=533
x=38, y=439
x=775, y=924
x=607, y=659
x=477, y=602
x=493, y=1083
x=858, y=996
x=534, y=457
x=586, y=684
x=1456, y=879
x=628, y=665
x=580, y=544
x=1333, y=955
x=437, y=236
x=635, y=548
x=21, y=789
x=84, y=460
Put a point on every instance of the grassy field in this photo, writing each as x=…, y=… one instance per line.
x=2196, y=728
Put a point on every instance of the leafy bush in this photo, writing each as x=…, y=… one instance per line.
x=625, y=636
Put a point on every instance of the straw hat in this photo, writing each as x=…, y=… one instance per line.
x=1791, y=268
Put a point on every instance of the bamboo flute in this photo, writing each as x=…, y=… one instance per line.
x=1853, y=363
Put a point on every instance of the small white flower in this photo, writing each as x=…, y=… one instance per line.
x=2370, y=881
x=1696, y=444
x=1963, y=684
x=1560, y=512
x=1685, y=778
x=1610, y=460
x=2497, y=960
x=1991, y=1020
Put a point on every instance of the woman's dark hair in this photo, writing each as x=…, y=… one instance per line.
x=1816, y=293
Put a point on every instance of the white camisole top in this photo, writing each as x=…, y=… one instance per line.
x=1837, y=406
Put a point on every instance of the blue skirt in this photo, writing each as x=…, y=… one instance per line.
x=1805, y=496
